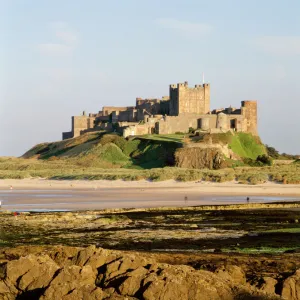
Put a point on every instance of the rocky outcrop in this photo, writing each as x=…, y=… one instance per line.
x=233, y=273
x=72, y=280
x=291, y=287
x=268, y=285
x=199, y=158
x=95, y=273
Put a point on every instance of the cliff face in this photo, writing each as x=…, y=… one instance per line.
x=199, y=158
x=96, y=273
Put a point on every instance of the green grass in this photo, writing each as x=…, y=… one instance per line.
x=177, y=138
x=112, y=153
x=246, y=145
x=47, y=150
x=284, y=230
x=91, y=168
x=104, y=150
x=269, y=250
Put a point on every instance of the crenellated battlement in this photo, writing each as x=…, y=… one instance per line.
x=185, y=85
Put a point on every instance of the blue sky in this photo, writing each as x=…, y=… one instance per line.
x=58, y=58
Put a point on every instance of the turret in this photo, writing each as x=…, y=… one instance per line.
x=249, y=111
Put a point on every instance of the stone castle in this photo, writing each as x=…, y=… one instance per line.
x=185, y=108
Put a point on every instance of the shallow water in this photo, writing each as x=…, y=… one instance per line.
x=66, y=200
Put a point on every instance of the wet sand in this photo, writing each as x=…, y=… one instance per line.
x=40, y=194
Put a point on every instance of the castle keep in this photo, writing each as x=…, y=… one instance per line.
x=185, y=107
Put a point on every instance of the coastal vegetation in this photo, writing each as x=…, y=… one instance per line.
x=100, y=155
x=13, y=168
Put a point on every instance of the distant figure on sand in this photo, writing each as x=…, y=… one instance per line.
x=0, y=203
x=248, y=199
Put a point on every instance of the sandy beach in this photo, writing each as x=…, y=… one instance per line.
x=41, y=194
x=227, y=188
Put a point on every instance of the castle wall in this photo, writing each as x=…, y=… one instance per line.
x=222, y=122
x=138, y=130
x=80, y=123
x=134, y=115
x=128, y=116
x=173, y=124
x=184, y=99
x=103, y=119
x=107, y=110
x=174, y=100
x=206, y=122
x=67, y=135
x=237, y=123
x=140, y=116
x=153, y=106
x=249, y=111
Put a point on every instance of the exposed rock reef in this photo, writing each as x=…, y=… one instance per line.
x=95, y=273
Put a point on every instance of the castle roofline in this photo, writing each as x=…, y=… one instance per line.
x=185, y=84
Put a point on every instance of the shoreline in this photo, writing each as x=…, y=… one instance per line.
x=202, y=187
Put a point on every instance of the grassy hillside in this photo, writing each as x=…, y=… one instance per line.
x=148, y=151
x=109, y=156
x=108, y=151
x=243, y=144
x=247, y=145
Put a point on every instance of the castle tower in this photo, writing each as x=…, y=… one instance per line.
x=185, y=99
x=249, y=111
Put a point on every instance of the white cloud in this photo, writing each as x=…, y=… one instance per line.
x=67, y=40
x=279, y=45
x=185, y=28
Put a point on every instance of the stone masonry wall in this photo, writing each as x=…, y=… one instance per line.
x=184, y=99
x=249, y=111
x=140, y=129
x=80, y=123
x=107, y=110
x=172, y=124
x=67, y=135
